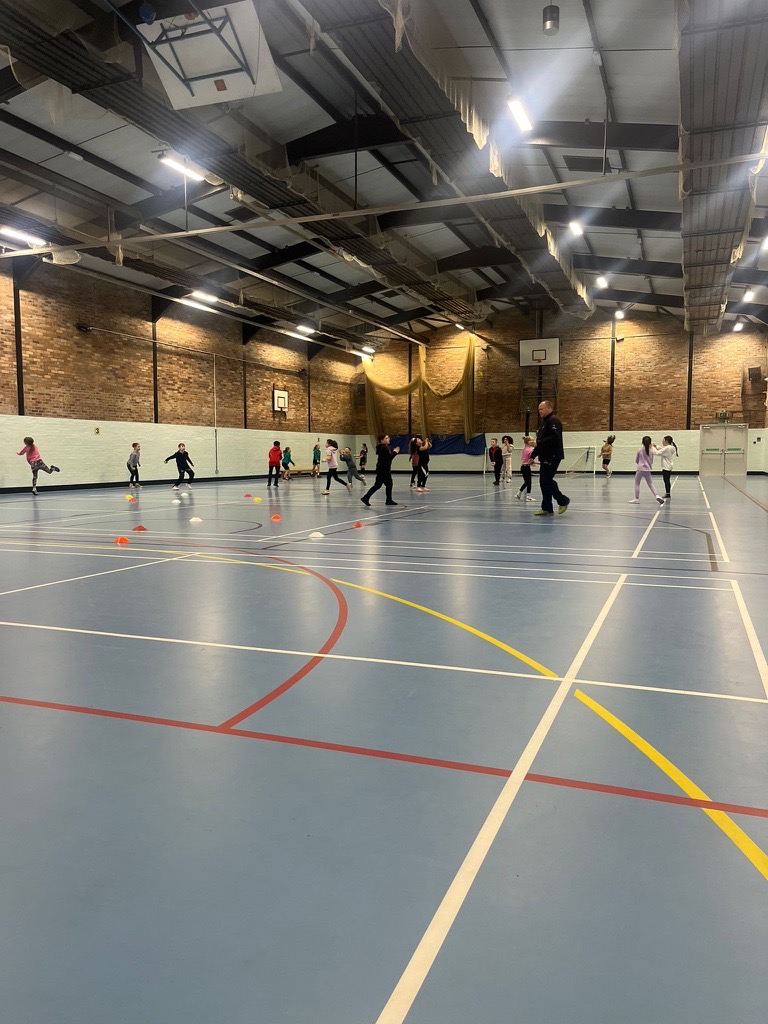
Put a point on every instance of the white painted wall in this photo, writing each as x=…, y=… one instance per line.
x=624, y=450
x=86, y=457
x=89, y=458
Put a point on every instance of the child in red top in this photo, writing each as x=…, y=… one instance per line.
x=32, y=453
x=275, y=458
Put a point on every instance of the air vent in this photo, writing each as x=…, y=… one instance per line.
x=587, y=164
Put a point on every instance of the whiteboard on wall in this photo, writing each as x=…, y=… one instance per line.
x=540, y=352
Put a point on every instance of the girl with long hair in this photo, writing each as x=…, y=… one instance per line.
x=331, y=458
x=422, y=464
x=666, y=453
x=606, y=453
x=413, y=457
x=644, y=462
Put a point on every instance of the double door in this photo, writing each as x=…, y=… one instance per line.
x=723, y=449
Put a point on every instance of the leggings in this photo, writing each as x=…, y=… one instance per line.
x=667, y=476
x=422, y=474
x=414, y=474
x=36, y=467
x=643, y=474
x=353, y=473
x=526, y=474
x=134, y=471
x=276, y=471
x=333, y=474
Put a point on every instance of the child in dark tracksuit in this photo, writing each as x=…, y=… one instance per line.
x=184, y=465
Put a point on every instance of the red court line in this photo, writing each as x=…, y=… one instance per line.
x=746, y=494
x=330, y=643
x=392, y=755
x=646, y=794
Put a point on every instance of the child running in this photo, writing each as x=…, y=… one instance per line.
x=665, y=454
x=384, y=459
x=525, y=468
x=606, y=452
x=644, y=460
x=184, y=465
x=316, y=460
x=32, y=453
x=349, y=461
x=287, y=462
x=133, y=463
x=363, y=457
x=275, y=458
x=331, y=458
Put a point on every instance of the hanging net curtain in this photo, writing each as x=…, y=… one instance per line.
x=422, y=387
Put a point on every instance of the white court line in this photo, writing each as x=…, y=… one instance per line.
x=754, y=642
x=400, y=1002
x=723, y=552
x=461, y=669
x=644, y=538
x=30, y=524
x=381, y=565
x=91, y=575
x=706, y=499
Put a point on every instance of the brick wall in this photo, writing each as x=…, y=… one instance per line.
x=108, y=376
x=7, y=346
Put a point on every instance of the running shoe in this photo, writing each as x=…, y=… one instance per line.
x=542, y=512
x=562, y=509
x=633, y=501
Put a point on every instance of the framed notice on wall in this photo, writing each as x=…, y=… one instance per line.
x=540, y=352
x=279, y=400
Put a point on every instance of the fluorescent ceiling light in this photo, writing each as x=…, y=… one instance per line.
x=195, y=305
x=369, y=350
x=601, y=282
x=177, y=166
x=306, y=329
x=460, y=327
x=619, y=314
x=749, y=295
x=22, y=236
x=738, y=326
x=519, y=114
x=204, y=296
x=576, y=228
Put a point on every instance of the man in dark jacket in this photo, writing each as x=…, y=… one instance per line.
x=497, y=459
x=549, y=452
x=384, y=459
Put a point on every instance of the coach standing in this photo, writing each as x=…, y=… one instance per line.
x=549, y=452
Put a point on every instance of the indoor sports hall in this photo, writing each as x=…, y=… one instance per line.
x=383, y=512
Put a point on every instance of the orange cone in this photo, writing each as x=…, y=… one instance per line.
x=247, y=495
x=121, y=540
x=359, y=525
x=133, y=500
x=139, y=529
x=276, y=518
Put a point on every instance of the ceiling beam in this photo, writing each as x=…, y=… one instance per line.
x=661, y=138
x=289, y=254
x=179, y=198
x=638, y=268
x=677, y=302
x=603, y=217
x=369, y=132
x=482, y=256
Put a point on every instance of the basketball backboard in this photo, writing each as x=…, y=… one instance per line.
x=540, y=352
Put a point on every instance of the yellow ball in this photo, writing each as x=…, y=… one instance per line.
x=257, y=500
